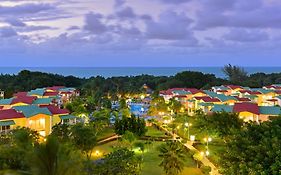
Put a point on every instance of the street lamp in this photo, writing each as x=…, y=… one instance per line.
x=187, y=125
x=207, y=140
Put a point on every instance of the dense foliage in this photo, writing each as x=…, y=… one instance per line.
x=120, y=162
x=98, y=87
x=255, y=150
x=220, y=124
x=172, y=155
x=133, y=124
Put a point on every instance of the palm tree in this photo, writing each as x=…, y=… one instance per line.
x=51, y=158
x=172, y=156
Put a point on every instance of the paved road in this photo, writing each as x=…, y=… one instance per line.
x=205, y=161
x=114, y=137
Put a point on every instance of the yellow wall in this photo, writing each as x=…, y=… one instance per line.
x=19, y=104
x=248, y=116
x=33, y=123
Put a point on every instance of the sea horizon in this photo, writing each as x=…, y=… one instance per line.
x=86, y=72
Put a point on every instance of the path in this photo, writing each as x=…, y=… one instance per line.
x=205, y=161
x=111, y=138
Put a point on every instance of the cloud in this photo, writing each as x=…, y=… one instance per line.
x=175, y=1
x=119, y=3
x=6, y=32
x=73, y=28
x=243, y=35
x=126, y=12
x=28, y=8
x=238, y=13
x=94, y=24
x=15, y=22
x=32, y=28
x=170, y=26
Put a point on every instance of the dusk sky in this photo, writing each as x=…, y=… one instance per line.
x=158, y=33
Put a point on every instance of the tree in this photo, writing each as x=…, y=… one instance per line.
x=175, y=105
x=14, y=152
x=255, y=150
x=84, y=137
x=234, y=73
x=172, y=155
x=119, y=162
x=62, y=132
x=52, y=158
x=222, y=124
x=132, y=124
x=129, y=138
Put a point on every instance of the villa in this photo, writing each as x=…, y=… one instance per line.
x=38, y=109
x=251, y=104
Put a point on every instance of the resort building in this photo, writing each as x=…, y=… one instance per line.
x=251, y=104
x=39, y=109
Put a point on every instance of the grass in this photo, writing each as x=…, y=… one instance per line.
x=154, y=132
x=106, y=132
x=215, y=149
x=152, y=161
x=150, y=156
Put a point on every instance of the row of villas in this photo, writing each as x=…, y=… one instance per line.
x=252, y=104
x=38, y=109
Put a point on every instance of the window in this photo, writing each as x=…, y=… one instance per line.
x=5, y=129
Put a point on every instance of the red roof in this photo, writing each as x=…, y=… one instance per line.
x=10, y=114
x=50, y=94
x=233, y=86
x=24, y=99
x=55, y=110
x=180, y=96
x=207, y=99
x=193, y=90
x=272, y=100
x=250, y=92
x=68, y=92
x=243, y=99
x=55, y=88
x=20, y=94
x=166, y=92
x=222, y=91
x=246, y=107
x=278, y=92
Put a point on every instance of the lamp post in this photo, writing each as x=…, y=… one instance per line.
x=207, y=140
x=187, y=125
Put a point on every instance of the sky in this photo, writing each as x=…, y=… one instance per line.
x=152, y=33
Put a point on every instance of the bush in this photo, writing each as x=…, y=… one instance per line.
x=205, y=169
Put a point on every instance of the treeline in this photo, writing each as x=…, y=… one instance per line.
x=100, y=86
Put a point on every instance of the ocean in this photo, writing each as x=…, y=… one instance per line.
x=86, y=72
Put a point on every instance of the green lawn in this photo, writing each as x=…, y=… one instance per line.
x=154, y=132
x=215, y=149
x=106, y=132
x=151, y=159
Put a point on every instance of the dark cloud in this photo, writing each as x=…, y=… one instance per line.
x=94, y=24
x=238, y=13
x=243, y=35
x=126, y=12
x=7, y=32
x=119, y=3
x=15, y=22
x=73, y=28
x=28, y=8
x=174, y=1
x=32, y=28
x=170, y=26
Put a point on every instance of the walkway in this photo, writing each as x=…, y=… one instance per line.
x=205, y=161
